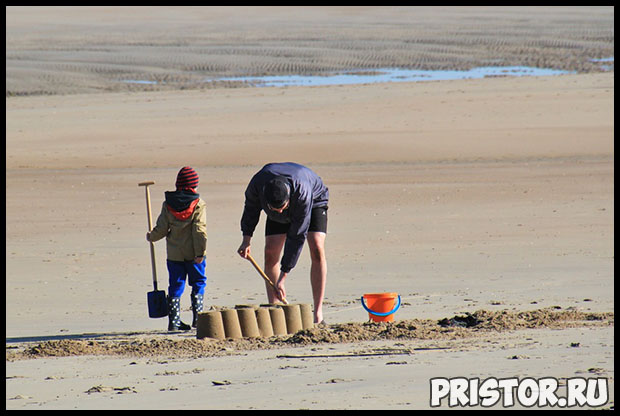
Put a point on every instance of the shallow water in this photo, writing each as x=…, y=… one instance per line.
x=140, y=81
x=391, y=75
x=605, y=61
x=366, y=76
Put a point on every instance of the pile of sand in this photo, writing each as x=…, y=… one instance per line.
x=480, y=322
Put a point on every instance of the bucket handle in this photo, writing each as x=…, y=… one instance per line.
x=381, y=313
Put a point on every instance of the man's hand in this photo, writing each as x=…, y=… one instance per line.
x=198, y=260
x=280, y=291
x=244, y=248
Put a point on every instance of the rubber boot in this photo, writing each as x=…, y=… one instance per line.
x=197, y=305
x=174, y=316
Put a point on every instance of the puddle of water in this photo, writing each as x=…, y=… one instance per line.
x=610, y=59
x=139, y=81
x=367, y=76
x=391, y=75
x=603, y=61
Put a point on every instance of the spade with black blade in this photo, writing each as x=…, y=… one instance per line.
x=158, y=307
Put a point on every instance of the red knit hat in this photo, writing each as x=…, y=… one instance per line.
x=187, y=178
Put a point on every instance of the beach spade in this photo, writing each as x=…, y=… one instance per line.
x=156, y=300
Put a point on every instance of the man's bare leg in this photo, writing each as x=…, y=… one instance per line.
x=273, y=249
x=318, y=272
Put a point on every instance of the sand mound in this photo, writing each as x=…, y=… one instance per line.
x=457, y=327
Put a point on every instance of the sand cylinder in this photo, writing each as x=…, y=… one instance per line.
x=210, y=325
x=307, y=318
x=232, y=327
x=263, y=319
x=248, y=322
x=292, y=314
x=278, y=321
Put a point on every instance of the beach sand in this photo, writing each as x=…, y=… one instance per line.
x=488, y=195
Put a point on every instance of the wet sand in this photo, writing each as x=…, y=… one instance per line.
x=99, y=49
x=462, y=196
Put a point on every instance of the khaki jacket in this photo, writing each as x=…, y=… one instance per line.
x=185, y=239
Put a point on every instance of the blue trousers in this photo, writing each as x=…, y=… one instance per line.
x=178, y=271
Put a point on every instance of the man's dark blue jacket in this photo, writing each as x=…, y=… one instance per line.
x=307, y=192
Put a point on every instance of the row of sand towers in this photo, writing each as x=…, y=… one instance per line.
x=254, y=321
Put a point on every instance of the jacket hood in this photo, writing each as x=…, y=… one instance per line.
x=181, y=203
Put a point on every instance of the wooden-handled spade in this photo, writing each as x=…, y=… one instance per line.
x=264, y=276
x=158, y=306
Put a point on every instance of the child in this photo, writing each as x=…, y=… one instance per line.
x=183, y=222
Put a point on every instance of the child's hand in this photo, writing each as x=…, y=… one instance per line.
x=148, y=235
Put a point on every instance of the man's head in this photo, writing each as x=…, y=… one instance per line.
x=277, y=193
x=187, y=178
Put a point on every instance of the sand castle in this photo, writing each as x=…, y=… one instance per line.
x=254, y=321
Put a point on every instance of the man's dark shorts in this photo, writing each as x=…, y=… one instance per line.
x=318, y=223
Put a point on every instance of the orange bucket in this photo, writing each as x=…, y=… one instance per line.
x=381, y=306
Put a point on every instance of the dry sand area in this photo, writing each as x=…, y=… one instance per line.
x=488, y=198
